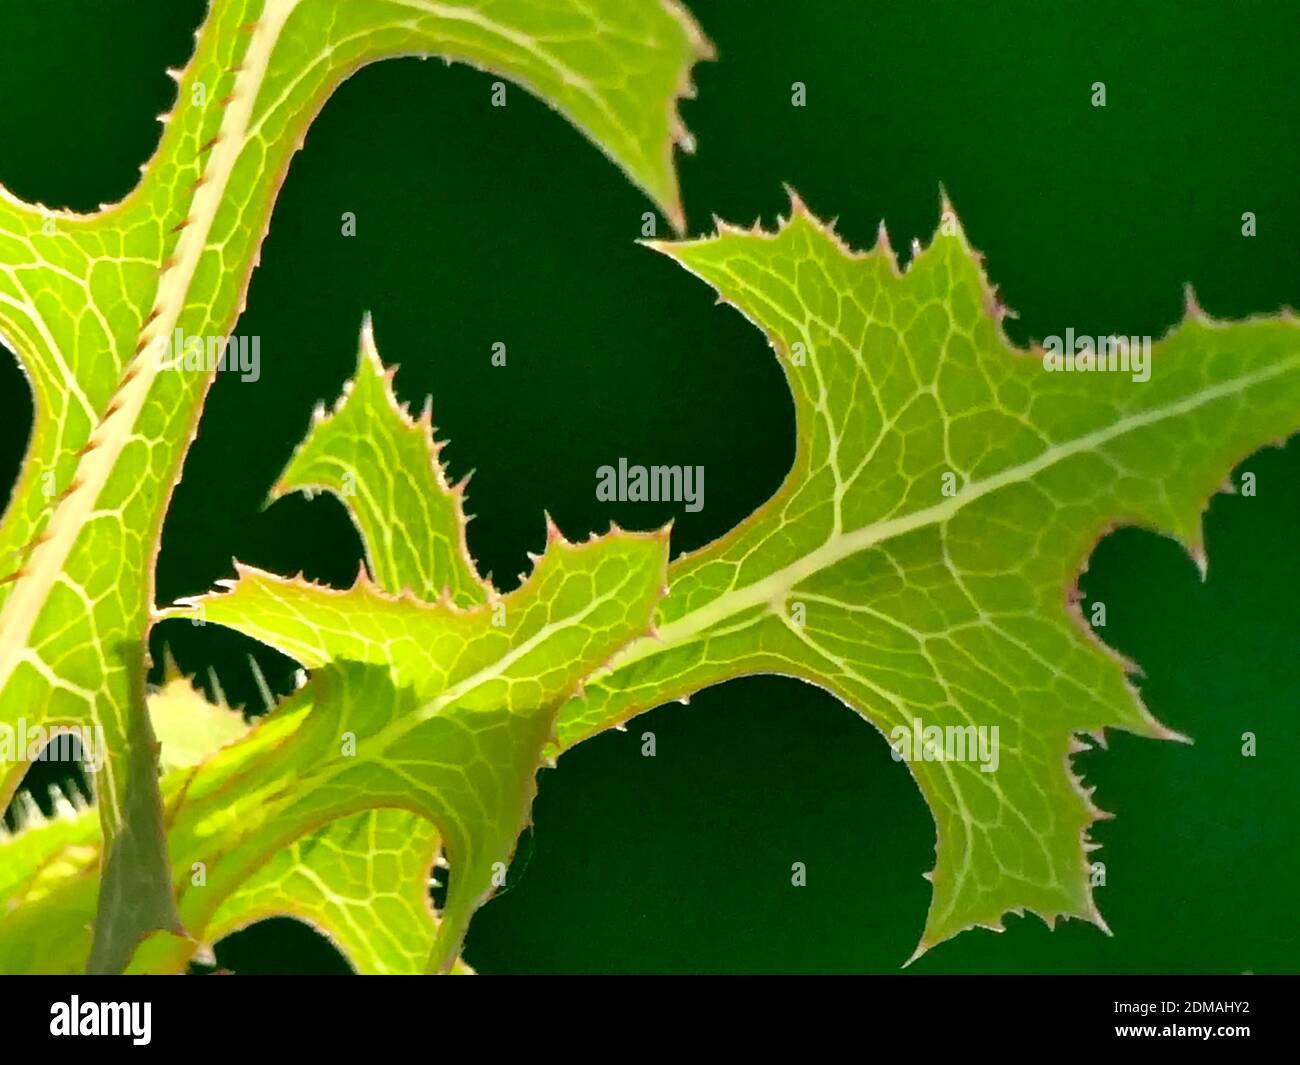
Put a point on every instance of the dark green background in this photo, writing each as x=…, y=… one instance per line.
x=478, y=225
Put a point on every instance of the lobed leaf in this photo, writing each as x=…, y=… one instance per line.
x=384, y=467
x=94, y=304
x=422, y=728
x=863, y=576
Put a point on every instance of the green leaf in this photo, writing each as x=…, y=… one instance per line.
x=441, y=711
x=423, y=727
x=49, y=869
x=94, y=304
x=384, y=467
x=361, y=881
x=864, y=577
x=447, y=719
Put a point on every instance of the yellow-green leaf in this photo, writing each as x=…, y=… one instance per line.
x=919, y=558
